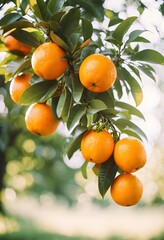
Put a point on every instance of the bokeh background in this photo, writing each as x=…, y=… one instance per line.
x=43, y=194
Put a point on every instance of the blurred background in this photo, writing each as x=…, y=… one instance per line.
x=44, y=195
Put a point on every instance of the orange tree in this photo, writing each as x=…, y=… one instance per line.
x=69, y=25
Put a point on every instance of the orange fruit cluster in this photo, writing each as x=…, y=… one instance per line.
x=97, y=73
x=129, y=155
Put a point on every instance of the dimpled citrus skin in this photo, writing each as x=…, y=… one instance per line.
x=97, y=147
x=97, y=73
x=14, y=45
x=126, y=190
x=18, y=85
x=129, y=154
x=48, y=61
x=40, y=120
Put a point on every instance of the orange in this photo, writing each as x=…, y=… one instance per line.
x=97, y=147
x=126, y=189
x=129, y=154
x=49, y=61
x=40, y=120
x=18, y=85
x=97, y=73
x=14, y=45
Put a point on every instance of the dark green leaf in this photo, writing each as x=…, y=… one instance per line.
x=54, y=104
x=75, y=115
x=77, y=89
x=33, y=39
x=93, y=9
x=149, y=55
x=106, y=176
x=39, y=92
x=9, y=18
x=132, y=110
x=74, y=141
x=107, y=98
x=35, y=8
x=22, y=23
x=54, y=5
x=70, y=22
x=56, y=39
x=64, y=104
x=43, y=9
x=87, y=28
x=122, y=28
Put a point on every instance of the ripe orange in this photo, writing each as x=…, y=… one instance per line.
x=97, y=73
x=97, y=147
x=48, y=61
x=14, y=45
x=126, y=189
x=40, y=120
x=129, y=154
x=18, y=85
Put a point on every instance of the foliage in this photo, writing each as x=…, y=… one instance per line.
x=70, y=25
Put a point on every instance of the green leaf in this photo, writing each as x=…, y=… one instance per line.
x=107, y=98
x=54, y=5
x=38, y=92
x=122, y=28
x=77, y=88
x=124, y=124
x=26, y=65
x=95, y=10
x=136, y=89
x=74, y=141
x=134, y=35
x=33, y=39
x=56, y=39
x=75, y=115
x=148, y=70
x=149, y=55
x=54, y=104
x=64, y=104
x=10, y=18
x=84, y=169
x=95, y=106
x=70, y=22
x=86, y=28
x=132, y=134
x=132, y=110
x=61, y=103
x=107, y=173
x=35, y=8
x=22, y=23
x=43, y=9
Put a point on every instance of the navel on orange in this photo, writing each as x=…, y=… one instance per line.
x=97, y=147
x=97, y=73
x=49, y=61
x=40, y=120
x=129, y=154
